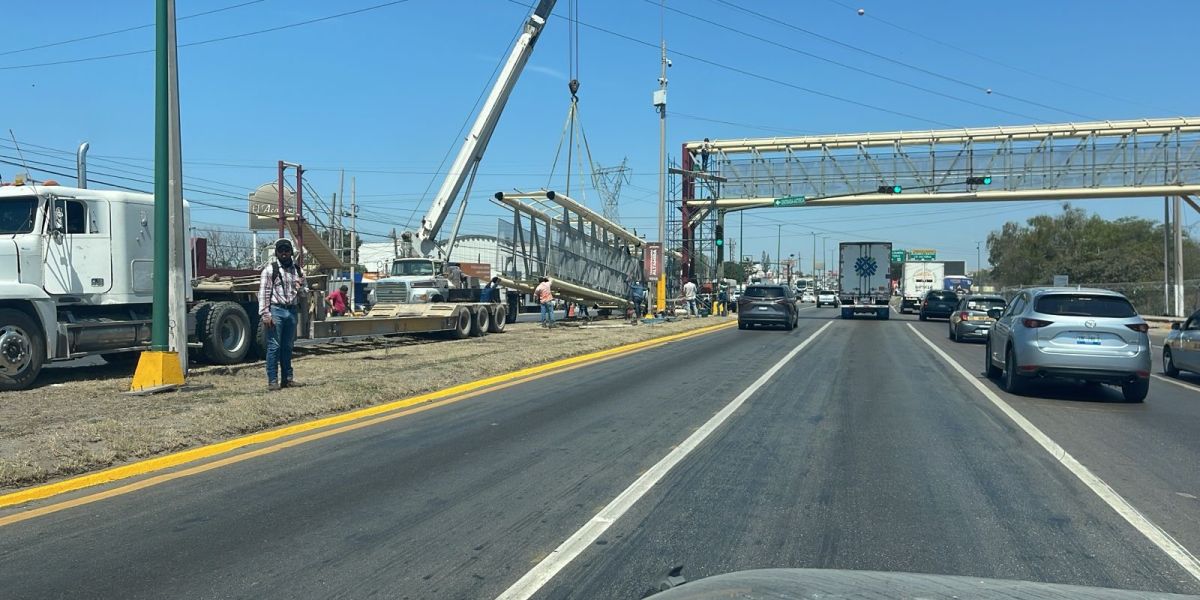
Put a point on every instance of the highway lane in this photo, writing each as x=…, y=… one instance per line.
x=865, y=451
x=1150, y=452
x=438, y=504
x=869, y=453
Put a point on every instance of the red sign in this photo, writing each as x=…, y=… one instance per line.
x=652, y=261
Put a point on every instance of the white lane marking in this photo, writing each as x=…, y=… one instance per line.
x=1186, y=386
x=1144, y=525
x=544, y=571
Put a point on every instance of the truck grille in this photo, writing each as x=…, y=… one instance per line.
x=391, y=292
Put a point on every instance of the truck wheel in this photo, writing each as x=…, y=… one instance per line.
x=22, y=350
x=499, y=319
x=514, y=307
x=481, y=320
x=462, y=330
x=226, y=334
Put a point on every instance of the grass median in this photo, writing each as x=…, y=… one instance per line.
x=80, y=420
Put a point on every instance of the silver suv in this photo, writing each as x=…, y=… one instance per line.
x=1089, y=334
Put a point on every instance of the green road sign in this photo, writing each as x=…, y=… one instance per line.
x=897, y=256
x=788, y=201
x=922, y=256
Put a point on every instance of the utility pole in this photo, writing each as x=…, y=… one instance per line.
x=353, y=241
x=1166, y=255
x=978, y=265
x=660, y=101
x=1179, y=310
x=778, y=250
x=814, y=269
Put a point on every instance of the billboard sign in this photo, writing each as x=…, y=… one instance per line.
x=652, y=261
x=264, y=207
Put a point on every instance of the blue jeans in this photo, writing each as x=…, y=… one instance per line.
x=280, y=340
x=691, y=306
x=548, y=313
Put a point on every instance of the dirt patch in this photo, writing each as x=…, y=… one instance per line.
x=81, y=420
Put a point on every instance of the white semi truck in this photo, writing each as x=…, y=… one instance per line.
x=864, y=287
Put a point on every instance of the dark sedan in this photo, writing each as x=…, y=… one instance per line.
x=939, y=304
x=765, y=304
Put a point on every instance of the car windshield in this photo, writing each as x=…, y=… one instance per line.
x=412, y=267
x=764, y=292
x=1075, y=305
x=18, y=214
x=796, y=329
x=985, y=304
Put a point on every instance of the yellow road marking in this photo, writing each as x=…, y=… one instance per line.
x=359, y=418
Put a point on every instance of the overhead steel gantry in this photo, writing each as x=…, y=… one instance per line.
x=1104, y=159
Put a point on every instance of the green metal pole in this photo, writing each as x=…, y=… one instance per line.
x=159, y=330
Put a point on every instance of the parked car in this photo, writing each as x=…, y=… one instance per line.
x=828, y=298
x=1088, y=334
x=938, y=304
x=766, y=304
x=1181, y=350
x=970, y=318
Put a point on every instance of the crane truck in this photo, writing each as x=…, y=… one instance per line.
x=419, y=275
x=76, y=271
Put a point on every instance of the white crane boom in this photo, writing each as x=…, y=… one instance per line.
x=467, y=162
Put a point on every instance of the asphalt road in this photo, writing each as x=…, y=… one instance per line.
x=866, y=450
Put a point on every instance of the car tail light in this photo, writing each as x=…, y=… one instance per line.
x=1138, y=327
x=781, y=301
x=964, y=315
x=1035, y=323
x=924, y=303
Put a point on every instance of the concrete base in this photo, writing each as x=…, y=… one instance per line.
x=157, y=370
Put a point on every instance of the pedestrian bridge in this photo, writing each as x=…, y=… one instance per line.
x=1107, y=159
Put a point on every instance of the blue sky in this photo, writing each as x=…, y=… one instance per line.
x=383, y=94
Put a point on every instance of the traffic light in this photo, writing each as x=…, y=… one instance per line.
x=985, y=180
x=720, y=234
x=890, y=189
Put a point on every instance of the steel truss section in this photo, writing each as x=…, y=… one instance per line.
x=550, y=234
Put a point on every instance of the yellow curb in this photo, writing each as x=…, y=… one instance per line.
x=202, y=452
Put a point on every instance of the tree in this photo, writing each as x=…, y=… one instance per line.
x=229, y=250
x=1086, y=248
x=735, y=271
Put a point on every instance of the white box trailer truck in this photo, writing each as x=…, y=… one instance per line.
x=863, y=284
x=917, y=279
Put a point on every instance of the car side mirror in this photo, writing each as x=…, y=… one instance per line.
x=1176, y=326
x=994, y=312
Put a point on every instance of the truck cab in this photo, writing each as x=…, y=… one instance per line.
x=413, y=281
x=76, y=275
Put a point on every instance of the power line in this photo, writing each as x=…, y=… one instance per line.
x=208, y=41
x=850, y=67
x=759, y=76
x=125, y=30
x=998, y=62
x=948, y=78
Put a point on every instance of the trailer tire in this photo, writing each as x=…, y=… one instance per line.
x=22, y=350
x=499, y=319
x=513, y=307
x=481, y=321
x=463, y=330
x=226, y=334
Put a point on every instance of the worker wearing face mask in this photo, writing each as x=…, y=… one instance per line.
x=279, y=296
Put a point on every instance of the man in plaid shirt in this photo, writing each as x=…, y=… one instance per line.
x=279, y=295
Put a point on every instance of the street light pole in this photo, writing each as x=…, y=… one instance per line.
x=778, y=250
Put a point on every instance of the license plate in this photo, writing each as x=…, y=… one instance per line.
x=1087, y=340
x=764, y=308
